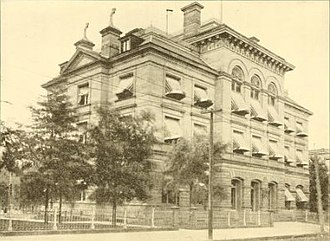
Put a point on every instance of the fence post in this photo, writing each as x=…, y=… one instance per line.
x=228, y=218
x=10, y=224
x=92, y=219
x=258, y=218
x=125, y=218
x=152, y=217
x=55, y=224
x=175, y=216
x=244, y=217
x=271, y=218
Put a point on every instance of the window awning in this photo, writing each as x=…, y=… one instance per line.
x=288, y=156
x=257, y=147
x=257, y=112
x=125, y=87
x=301, y=197
x=200, y=130
x=201, y=98
x=273, y=118
x=173, y=129
x=83, y=90
x=274, y=152
x=288, y=126
x=300, y=158
x=238, y=104
x=173, y=88
x=288, y=195
x=300, y=131
x=239, y=143
x=125, y=84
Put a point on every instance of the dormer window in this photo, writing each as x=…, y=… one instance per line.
x=201, y=97
x=126, y=45
x=238, y=78
x=83, y=94
x=125, y=87
x=173, y=87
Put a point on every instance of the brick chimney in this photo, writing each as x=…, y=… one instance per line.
x=110, y=41
x=191, y=19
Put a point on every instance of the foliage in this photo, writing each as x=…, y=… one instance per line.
x=188, y=166
x=58, y=157
x=11, y=148
x=121, y=147
x=324, y=182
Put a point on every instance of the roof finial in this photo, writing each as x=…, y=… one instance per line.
x=113, y=11
x=85, y=30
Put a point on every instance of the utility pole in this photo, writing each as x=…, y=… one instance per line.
x=210, y=196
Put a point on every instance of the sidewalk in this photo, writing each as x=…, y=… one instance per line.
x=279, y=229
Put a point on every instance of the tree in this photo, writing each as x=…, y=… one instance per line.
x=58, y=156
x=188, y=166
x=12, y=161
x=317, y=185
x=11, y=148
x=121, y=147
x=324, y=182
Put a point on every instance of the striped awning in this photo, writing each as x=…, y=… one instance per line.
x=288, y=195
x=301, y=197
x=257, y=147
x=238, y=104
x=273, y=117
x=239, y=143
x=257, y=112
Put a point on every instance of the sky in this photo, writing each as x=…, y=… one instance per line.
x=36, y=36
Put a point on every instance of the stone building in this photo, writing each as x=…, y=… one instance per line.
x=207, y=65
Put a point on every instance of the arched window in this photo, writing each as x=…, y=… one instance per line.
x=272, y=196
x=255, y=87
x=238, y=78
x=236, y=194
x=272, y=93
x=255, y=195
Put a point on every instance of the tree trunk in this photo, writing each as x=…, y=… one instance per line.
x=46, y=205
x=114, y=212
x=319, y=193
x=60, y=209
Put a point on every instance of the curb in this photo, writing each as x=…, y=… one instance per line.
x=278, y=237
x=82, y=231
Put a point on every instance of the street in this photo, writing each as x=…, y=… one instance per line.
x=279, y=229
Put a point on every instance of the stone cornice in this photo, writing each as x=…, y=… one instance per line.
x=223, y=36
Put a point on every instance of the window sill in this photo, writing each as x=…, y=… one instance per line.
x=123, y=99
x=82, y=106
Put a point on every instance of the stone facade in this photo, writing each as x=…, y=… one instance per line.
x=175, y=77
